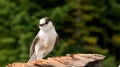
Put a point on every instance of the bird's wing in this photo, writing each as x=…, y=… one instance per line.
x=57, y=40
x=32, y=48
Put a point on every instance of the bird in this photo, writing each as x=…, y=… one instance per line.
x=45, y=40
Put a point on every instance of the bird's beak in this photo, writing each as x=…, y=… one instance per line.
x=41, y=24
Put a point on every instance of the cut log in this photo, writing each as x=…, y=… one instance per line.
x=70, y=60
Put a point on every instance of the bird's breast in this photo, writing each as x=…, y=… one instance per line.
x=48, y=38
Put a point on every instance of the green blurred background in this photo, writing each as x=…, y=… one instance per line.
x=84, y=26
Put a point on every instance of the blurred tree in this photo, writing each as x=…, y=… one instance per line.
x=102, y=21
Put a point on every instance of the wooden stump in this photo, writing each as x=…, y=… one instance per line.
x=70, y=60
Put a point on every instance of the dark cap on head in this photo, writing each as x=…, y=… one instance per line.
x=47, y=19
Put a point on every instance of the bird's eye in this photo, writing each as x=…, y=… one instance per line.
x=46, y=22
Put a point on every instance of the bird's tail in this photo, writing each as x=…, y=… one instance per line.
x=33, y=57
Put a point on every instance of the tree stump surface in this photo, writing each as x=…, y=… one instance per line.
x=70, y=60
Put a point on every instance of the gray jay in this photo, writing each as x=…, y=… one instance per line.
x=44, y=41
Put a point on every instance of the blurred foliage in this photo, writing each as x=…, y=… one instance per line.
x=109, y=60
x=84, y=26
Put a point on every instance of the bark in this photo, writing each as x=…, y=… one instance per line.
x=70, y=60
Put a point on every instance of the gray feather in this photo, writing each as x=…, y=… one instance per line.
x=32, y=48
x=33, y=57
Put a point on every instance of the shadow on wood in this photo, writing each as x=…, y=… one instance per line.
x=70, y=60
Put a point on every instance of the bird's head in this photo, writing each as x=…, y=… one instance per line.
x=45, y=23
